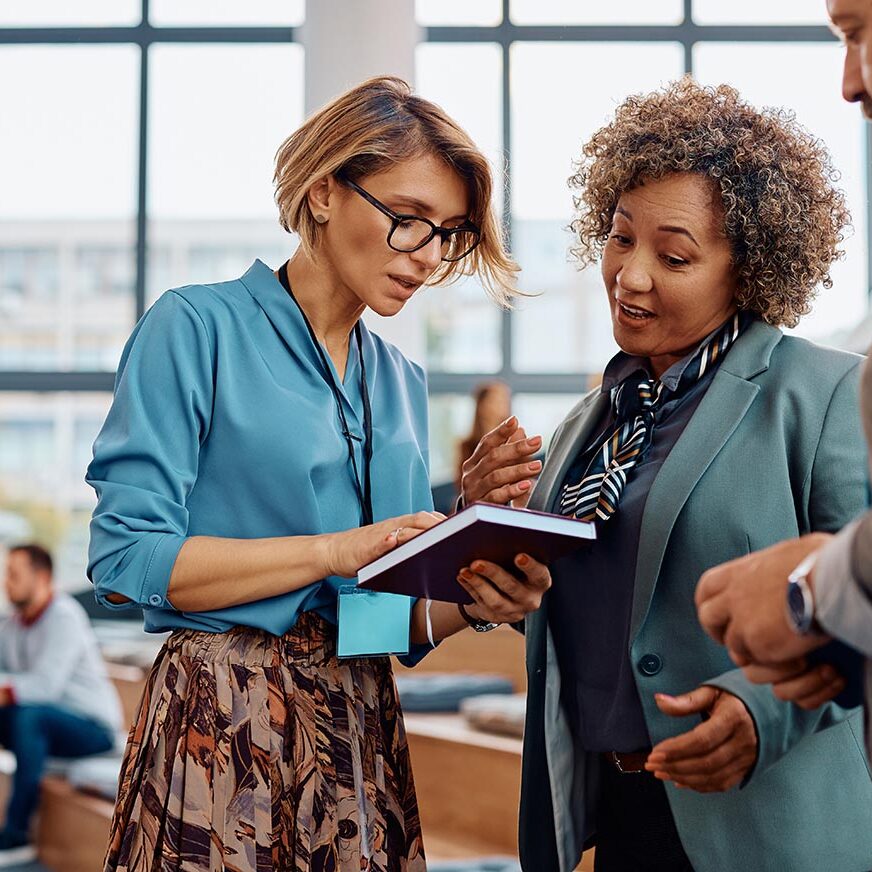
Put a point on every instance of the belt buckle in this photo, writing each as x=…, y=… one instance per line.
x=616, y=759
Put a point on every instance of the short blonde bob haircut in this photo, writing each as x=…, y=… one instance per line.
x=368, y=129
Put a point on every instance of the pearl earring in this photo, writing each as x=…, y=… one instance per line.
x=321, y=219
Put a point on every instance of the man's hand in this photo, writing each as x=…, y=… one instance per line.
x=742, y=603
x=809, y=686
x=714, y=756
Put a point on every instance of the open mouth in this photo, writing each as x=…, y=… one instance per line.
x=404, y=284
x=635, y=312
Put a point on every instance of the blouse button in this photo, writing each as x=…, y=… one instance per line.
x=650, y=664
x=155, y=600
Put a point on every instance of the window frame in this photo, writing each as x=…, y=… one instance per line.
x=687, y=33
x=144, y=35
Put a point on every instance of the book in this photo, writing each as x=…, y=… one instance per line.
x=427, y=565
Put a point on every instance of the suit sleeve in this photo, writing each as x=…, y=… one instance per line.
x=843, y=574
x=843, y=606
x=837, y=491
x=146, y=456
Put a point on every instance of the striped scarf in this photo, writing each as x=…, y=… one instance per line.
x=597, y=495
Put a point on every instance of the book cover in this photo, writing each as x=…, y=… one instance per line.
x=427, y=565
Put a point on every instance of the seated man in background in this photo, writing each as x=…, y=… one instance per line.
x=55, y=697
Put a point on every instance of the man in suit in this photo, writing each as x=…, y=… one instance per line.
x=773, y=607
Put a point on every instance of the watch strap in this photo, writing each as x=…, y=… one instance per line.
x=477, y=625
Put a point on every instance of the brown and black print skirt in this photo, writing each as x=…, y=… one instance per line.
x=254, y=753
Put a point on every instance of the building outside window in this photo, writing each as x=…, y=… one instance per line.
x=163, y=177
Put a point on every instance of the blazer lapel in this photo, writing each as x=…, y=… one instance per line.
x=568, y=438
x=719, y=413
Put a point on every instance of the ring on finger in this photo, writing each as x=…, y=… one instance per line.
x=396, y=533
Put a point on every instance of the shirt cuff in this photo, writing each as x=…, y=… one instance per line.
x=160, y=568
x=842, y=606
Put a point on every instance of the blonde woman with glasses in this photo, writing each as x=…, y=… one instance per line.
x=263, y=445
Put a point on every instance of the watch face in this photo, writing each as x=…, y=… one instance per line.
x=796, y=607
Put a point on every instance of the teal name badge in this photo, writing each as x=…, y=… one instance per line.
x=372, y=624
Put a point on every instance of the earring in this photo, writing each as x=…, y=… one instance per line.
x=320, y=219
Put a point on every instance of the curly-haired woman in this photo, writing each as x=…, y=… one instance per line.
x=713, y=434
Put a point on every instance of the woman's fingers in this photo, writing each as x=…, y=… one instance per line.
x=508, y=475
x=501, y=595
x=346, y=552
x=716, y=782
x=538, y=574
x=493, y=439
x=419, y=521
x=713, y=756
x=500, y=467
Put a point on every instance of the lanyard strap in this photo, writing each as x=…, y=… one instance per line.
x=364, y=490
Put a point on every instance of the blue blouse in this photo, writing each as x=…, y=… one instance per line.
x=224, y=425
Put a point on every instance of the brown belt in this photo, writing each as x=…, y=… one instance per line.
x=630, y=763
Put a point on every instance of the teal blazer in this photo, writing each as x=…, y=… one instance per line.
x=774, y=450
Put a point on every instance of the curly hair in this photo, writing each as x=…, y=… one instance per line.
x=782, y=213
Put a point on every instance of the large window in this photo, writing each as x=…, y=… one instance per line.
x=563, y=66
x=149, y=160
x=147, y=164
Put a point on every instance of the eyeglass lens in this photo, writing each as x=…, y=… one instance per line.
x=410, y=234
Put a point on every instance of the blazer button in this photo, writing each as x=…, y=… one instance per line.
x=155, y=600
x=650, y=664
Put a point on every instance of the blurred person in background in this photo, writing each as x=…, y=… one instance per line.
x=261, y=447
x=55, y=697
x=493, y=405
x=712, y=434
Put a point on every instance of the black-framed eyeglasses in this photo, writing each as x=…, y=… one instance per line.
x=411, y=232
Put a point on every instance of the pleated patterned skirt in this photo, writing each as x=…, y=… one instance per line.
x=254, y=753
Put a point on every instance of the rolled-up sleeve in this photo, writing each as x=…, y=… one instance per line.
x=146, y=456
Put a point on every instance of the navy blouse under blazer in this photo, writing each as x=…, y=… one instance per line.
x=224, y=425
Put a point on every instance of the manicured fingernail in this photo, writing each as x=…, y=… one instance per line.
x=478, y=567
x=508, y=422
x=522, y=560
x=466, y=575
x=534, y=440
x=534, y=466
x=524, y=485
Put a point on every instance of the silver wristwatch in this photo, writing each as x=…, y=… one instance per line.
x=477, y=625
x=800, y=599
